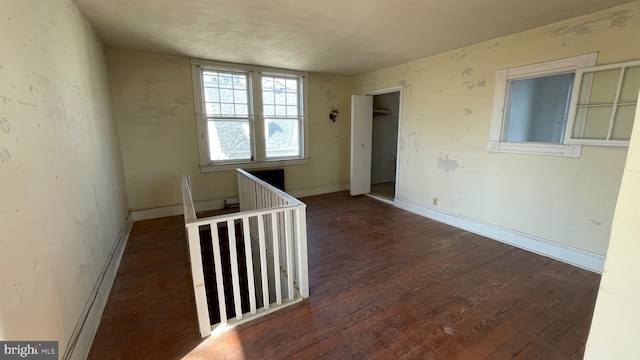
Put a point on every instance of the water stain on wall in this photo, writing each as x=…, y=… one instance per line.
x=448, y=165
x=616, y=19
x=157, y=111
x=620, y=18
x=330, y=95
x=5, y=125
x=183, y=100
x=5, y=156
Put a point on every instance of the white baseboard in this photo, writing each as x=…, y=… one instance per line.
x=317, y=190
x=174, y=210
x=87, y=326
x=574, y=256
x=217, y=204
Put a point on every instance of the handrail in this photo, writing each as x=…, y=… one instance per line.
x=249, y=213
x=291, y=199
x=271, y=233
x=187, y=201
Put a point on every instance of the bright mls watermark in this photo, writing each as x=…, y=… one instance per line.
x=39, y=350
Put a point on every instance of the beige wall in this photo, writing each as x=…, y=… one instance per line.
x=153, y=97
x=446, y=114
x=63, y=200
x=616, y=320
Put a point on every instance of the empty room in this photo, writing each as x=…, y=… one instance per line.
x=423, y=179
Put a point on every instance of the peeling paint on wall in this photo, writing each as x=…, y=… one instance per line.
x=620, y=18
x=448, y=165
x=467, y=71
x=404, y=83
x=183, y=100
x=468, y=111
x=5, y=125
x=5, y=156
x=330, y=95
x=579, y=29
x=458, y=57
x=594, y=222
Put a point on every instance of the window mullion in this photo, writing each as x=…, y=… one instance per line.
x=260, y=151
x=614, y=110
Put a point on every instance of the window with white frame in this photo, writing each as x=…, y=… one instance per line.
x=249, y=115
x=531, y=107
x=555, y=107
x=604, y=105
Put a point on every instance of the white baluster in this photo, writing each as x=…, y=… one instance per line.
x=276, y=259
x=218, y=265
x=249, y=256
x=235, y=277
x=263, y=262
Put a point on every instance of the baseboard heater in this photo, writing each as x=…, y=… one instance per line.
x=273, y=177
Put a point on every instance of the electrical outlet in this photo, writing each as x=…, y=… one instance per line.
x=435, y=201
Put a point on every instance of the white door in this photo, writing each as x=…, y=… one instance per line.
x=361, y=128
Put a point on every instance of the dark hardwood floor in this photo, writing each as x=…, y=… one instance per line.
x=385, y=284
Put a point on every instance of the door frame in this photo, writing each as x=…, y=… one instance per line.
x=384, y=91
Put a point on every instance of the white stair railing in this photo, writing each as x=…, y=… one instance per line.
x=272, y=226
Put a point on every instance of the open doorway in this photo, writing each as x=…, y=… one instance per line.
x=384, y=144
x=374, y=143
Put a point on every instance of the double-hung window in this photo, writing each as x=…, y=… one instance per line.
x=554, y=108
x=249, y=116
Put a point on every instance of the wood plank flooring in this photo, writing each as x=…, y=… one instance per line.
x=385, y=284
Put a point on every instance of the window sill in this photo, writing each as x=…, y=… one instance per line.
x=253, y=165
x=563, y=150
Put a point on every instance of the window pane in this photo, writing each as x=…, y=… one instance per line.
x=599, y=87
x=630, y=85
x=227, y=109
x=292, y=99
x=292, y=111
x=279, y=84
x=292, y=85
x=267, y=83
x=241, y=110
x=537, y=109
x=211, y=95
x=210, y=79
x=281, y=98
x=282, y=137
x=212, y=109
x=225, y=94
x=239, y=82
x=268, y=97
x=240, y=96
x=623, y=123
x=229, y=140
x=592, y=122
x=281, y=110
x=269, y=110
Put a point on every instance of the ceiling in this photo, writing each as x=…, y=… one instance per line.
x=344, y=37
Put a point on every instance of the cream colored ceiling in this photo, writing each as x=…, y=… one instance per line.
x=331, y=36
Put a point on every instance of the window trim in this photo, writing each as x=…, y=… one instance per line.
x=256, y=117
x=575, y=96
x=502, y=77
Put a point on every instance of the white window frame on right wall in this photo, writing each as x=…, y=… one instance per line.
x=497, y=141
x=570, y=146
x=572, y=119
